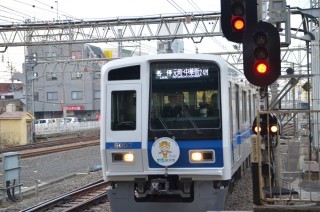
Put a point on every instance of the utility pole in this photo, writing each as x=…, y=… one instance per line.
x=30, y=63
x=11, y=75
x=57, y=9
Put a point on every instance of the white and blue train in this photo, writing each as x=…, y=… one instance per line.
x=175, y=131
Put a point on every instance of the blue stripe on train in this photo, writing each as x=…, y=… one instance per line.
x=185, y=146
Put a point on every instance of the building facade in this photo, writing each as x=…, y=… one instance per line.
x=10, y=97
x=66, y=80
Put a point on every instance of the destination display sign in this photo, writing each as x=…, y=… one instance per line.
x=181, y=73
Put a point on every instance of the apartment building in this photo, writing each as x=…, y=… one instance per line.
x=66, y=80
x=8, y=100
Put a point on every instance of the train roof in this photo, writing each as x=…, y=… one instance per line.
x=233, y=73
x=169, y=56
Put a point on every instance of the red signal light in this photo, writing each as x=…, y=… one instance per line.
x=261, y=67
x=238, y=23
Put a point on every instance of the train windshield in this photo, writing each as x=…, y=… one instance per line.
x=185, y=96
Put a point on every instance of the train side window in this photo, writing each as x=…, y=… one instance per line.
x=123, y=110
x=250, y=106
x=244, y=106
x=237, y=107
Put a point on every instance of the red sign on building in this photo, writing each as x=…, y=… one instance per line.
x=74, y=107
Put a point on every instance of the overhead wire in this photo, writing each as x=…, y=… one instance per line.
x=14, y=12
x=182, y=11
x=195, y=6
x=60, y=11
x=144, y=46
x=9, y=18
x=41, y=9
x=175, y=5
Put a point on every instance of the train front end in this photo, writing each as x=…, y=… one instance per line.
x=164, y=133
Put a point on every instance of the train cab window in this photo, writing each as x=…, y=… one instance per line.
x=123, y=110
x=190, y=91
x=125, y=73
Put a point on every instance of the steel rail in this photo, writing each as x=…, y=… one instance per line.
x=45, y=144
x=75, y=200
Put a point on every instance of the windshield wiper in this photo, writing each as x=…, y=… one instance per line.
x=195, y=126
x=162, y=121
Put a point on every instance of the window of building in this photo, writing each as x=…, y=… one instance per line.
x=75, y=95
x=76, y=55
x=52, y=96
x=76, y=75
x=33, y=57
x=97, y=75
x=97, y=94
x=51, y=76
x=36, y=76
x=51, y=55
x=36, y=96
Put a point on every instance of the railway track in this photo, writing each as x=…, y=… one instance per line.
x=37, y=149
x=77, y=200
x=45, y=144
x=57, y=149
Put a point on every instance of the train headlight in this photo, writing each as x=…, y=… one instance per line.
x=196, y=156
x=256, y=129
x=201, y=156
x=274, y=129
x=127, y=157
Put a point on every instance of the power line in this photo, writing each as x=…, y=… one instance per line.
x=61, y=12
x=195, y=6
x=175, y=5
x=14, y=11
x=10, y=18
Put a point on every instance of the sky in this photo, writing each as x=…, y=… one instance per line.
x=37, y=10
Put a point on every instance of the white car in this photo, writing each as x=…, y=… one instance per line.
x=69, y=120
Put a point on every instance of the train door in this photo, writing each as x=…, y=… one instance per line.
x=123, y=122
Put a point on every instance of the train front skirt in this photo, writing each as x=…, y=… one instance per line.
x=122, y=197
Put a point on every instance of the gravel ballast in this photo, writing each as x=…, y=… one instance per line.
x=66, y=171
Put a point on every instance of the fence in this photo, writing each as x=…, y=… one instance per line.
x=58, y=128
x=288, y=163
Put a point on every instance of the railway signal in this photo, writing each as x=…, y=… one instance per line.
x=269, y=124
x=261, y=54
x=236, y=17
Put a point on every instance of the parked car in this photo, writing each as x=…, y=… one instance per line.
x=45, y=121
x=69, y=120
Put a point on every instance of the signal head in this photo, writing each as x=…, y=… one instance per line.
x=237, y=8
x=261, y=54
x=238, y=23
x=236, y=17
x=260, y=38
x=261, y=67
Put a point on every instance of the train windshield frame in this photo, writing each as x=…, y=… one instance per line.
x=185, y=98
